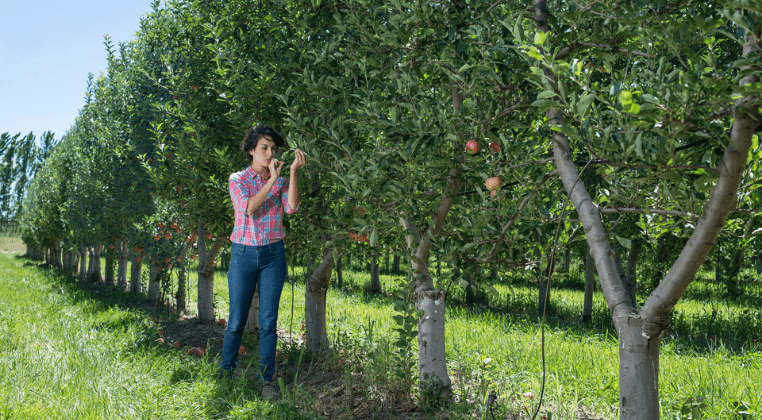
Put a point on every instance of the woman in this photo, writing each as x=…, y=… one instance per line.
x=260, y=198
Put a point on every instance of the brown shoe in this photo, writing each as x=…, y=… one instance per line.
x=271, y=391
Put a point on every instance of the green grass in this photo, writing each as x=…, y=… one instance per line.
x=80, y=357
x=64, y=355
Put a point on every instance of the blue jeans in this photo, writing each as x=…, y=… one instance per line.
x=251, y=266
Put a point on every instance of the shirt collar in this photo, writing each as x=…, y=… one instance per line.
x=254, y=174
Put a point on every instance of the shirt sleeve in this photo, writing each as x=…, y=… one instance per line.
x=237, y=193
x=284, y=197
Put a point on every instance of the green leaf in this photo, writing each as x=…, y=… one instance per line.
x=540, y=38
x=546, y=94
x=532, y=52
x=544, y=104
x=624, y=241
x=631, y=108
x=584, y=104
x=625, y=97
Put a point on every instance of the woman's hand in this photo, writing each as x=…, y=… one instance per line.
x=299, y=161
x=274, y=167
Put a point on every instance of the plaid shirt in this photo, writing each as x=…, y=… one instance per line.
x=266, y=224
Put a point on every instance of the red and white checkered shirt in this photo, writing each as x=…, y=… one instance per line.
x=266, y=224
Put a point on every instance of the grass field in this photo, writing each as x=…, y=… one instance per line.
x=67, y=353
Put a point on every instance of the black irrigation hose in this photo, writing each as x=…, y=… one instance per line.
x=547, y=287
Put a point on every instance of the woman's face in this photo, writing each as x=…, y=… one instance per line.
x=264, y=152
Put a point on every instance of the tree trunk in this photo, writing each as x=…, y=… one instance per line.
x=314, y=303
x=136, y=269
x=587, y=306
x=734, y=280
x=206, y=274
x=154, y=286
x=57, y=261
x=640, y=332
x=97, y=274
x=638, y=371
x=121, y=275
x=83, y=264
x=387, y=260
x=758, y=263
x=110, y=260
x=396, y=264
x=375, y=275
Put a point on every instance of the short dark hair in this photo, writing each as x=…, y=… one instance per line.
x=257, y=133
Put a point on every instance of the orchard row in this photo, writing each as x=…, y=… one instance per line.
x=628, y=125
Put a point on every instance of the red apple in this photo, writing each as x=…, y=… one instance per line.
x=168, y=235
x=222, y=322
x=192, y=351
x=160, y=340
x=157, y=237
x=200, y=352
x=209, y=235
x=161, y=225
x=494, y=147
x=472, y=146
x=494, y=183
x=111, y=247
x=137, y=259
x=176, y=344
x=241, y=350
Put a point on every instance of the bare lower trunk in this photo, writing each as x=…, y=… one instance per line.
x=758, y=263
x=396, y=264
x=121, y=274
x=638, y=371
x=57, y=260
x=97, y=274
x=154, y=286
x=375, y=275
x=734, y=281
x=206, y=259
x=136, y=269
x=83, y=264
x=431, y=338
x=110, y=262
x=314, y=304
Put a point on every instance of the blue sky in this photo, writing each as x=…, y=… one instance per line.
x=47, y=48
